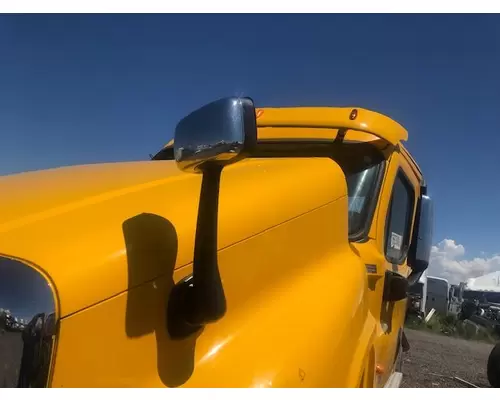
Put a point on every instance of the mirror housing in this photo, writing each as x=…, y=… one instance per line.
x=218, y=134
x=420, y=249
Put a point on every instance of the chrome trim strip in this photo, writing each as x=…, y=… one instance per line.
x=27, y=325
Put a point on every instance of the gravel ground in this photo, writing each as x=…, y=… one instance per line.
x=434, y=360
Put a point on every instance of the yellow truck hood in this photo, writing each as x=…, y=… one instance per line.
x=31, y=196
x=71, y=222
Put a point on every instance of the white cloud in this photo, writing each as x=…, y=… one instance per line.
x=447, y=261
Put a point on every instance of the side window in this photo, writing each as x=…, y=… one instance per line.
x=399, y=218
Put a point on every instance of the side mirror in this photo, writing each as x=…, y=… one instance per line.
x=217, y=134
x=420, y=250
x=205, y=141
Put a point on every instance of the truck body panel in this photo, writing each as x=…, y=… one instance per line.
x=307, y=301
x=89, y=233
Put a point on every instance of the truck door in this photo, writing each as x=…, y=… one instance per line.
x=397, y=233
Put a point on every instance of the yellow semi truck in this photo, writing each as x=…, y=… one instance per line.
x=268, y=247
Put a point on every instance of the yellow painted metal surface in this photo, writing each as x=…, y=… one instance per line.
x=285, y=325
x=325, y=121
x=302, y=309
x=75, y=226
x=334, y=117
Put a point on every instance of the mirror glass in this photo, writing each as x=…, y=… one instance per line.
x=420, y=253
x=27, y=325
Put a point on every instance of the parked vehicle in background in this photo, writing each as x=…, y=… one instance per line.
x=438, y=292
x=261, y=248
x=481, y=301
x=455, y=299
x=417, y=296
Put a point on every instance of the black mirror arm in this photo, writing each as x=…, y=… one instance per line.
x=207, y=302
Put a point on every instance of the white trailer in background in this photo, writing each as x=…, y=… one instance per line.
x=438, y=295
x=418, y=292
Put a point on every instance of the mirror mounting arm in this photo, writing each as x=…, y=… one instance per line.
x=217, y=134
x=207, y=302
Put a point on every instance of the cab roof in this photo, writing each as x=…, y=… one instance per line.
x=338, y=118
x=362, y=125
x=331, y=119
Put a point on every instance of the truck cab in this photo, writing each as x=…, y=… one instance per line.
x=261, y=247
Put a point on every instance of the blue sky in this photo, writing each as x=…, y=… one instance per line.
x=80, y=89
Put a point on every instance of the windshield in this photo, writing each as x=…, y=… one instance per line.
x=361, y=187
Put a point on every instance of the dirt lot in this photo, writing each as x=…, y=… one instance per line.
x=434, y=360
